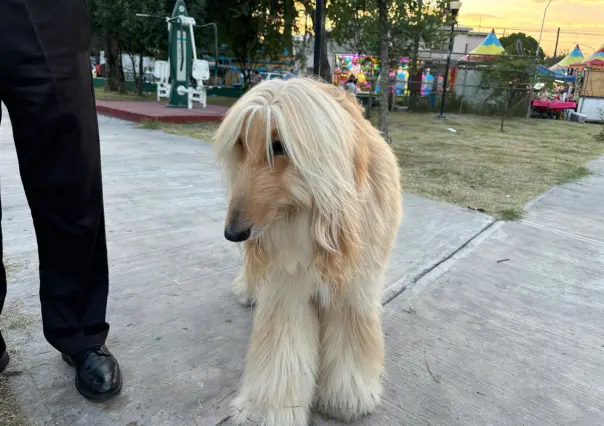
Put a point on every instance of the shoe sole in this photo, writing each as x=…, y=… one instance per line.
x=4, y=359
x=88, y=395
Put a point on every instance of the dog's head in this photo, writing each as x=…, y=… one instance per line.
x=292, y=145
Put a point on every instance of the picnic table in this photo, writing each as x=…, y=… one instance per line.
x=553, y=108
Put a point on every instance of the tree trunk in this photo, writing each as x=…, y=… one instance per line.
x=288, y=25
x=384, y=67
x=120, y=66
x=141, y=70
x=415, y=55
x=113, y=80
x=325, y=71
x=134, y=70
x=370, y=98
x=325, y=67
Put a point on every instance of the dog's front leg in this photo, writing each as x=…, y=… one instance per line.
x=244, y=288
x=352, y=355
x=279, y=379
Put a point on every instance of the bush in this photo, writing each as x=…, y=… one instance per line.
x=600, y=136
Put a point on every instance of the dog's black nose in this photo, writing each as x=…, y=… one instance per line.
x=235, y=233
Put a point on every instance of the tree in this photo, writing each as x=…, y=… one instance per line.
x=397, y=30
x=529, y=45
x=107, y=19
x=253, y=29
x=383, y=7
x=118, y=30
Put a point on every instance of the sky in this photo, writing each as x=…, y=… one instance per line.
x=580, y=21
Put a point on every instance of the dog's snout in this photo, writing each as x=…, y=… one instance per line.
x=236, y=233
x=236, y=229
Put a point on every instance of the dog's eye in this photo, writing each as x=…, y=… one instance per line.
x=278, y=148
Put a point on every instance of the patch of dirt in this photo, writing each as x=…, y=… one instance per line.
x=11, y=413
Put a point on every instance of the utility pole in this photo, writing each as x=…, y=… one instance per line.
x=316, y=66
x=557, y=39
x=532, y=87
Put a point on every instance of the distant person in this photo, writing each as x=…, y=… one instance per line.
x=98, y=70
x=46, y=85
x=288, y=75
x=351, y=84
x=256, y=78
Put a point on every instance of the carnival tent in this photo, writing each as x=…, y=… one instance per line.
x=596, y=60
x=571, y=60
x=468, y=72
x=489, y=48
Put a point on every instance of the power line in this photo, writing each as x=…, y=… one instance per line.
x=553, y=30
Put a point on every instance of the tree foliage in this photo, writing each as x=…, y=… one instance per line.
x=253, y=29
x=529, y=45
x=356, y=25
x=388, y=30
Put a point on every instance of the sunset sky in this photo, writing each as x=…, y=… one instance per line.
x=581, y=21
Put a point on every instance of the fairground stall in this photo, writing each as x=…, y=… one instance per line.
x=591, y=92
x=364, y=69
x=470, y=70
x=557, y=99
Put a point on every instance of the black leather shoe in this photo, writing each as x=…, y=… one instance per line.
x=4, y=358
x=98, y=374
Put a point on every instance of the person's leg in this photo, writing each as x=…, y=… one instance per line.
x=49, y=95
x=3, y=353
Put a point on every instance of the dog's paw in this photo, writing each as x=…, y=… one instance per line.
x=347, y=404
x=247, y=413
x=242, y=292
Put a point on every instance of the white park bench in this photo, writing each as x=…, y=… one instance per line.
x=161, y=71
x=201, y=72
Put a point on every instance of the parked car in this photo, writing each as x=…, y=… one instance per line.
x=272, y=76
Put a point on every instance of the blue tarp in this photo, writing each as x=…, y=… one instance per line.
x=558, y=75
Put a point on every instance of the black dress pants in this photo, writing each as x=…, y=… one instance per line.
x=46, y=86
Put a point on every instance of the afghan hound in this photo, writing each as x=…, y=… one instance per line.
x=315, y=198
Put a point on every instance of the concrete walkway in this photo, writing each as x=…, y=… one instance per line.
x=497, y=323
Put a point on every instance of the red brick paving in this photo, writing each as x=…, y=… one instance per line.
x=157, y=111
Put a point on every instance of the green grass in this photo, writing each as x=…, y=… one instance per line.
x=510, y=214
x=477, y=166
x=103, y=95
x=484, y=169
x=151, y=125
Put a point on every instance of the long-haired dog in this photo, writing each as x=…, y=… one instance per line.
x=315, y=196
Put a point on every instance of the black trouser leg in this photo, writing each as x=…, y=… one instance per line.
x=46, y=85
x=2, y=270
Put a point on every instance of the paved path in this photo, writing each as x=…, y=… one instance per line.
x=471, y=341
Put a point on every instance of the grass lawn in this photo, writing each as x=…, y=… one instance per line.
x=477, y=166
x=482, y=168
x=102, y=95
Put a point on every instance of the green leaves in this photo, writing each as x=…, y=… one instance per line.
x=355, y=24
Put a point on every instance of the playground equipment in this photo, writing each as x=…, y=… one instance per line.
x=161, y=71
x=182, y=60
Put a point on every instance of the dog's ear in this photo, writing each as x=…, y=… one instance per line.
x=338, y=236
x=336, y=246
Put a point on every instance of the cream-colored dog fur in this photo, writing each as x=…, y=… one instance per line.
x=315, y=193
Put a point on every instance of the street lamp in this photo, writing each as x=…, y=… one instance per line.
x=454, y=7
x=532, y=88
x=541, y=32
